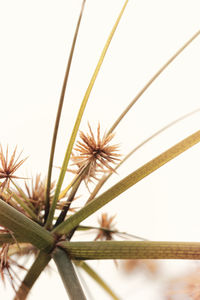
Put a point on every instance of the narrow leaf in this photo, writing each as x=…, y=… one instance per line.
x=127, y=182
x=131, y=250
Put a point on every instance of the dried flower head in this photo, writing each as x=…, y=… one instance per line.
x=96, y=154
x=8, y=168
x=107, y=228
x=36, y=193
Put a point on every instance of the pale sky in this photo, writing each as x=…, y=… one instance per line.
x=35, y=42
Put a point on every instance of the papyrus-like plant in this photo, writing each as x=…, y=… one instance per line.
x=37, y=217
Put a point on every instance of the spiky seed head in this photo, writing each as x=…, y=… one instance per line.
x=35, y=191
x=95, y=154
x=105, y=222
x=8, y=168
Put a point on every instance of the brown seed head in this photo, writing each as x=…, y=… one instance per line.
x=97, y=153
x=105, y=222
x=8, y=168
x=36, y=192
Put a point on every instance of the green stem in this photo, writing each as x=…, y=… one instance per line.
x=34, y=272
x=68, y=275
x=47, y=205
x=24, y=227
x=96, y=277
x=131, y=250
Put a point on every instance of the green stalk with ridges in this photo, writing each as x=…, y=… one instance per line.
x=131, y=250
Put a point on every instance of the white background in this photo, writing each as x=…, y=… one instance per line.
x=35, y=40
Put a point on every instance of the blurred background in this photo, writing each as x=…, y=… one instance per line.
x=36, y=37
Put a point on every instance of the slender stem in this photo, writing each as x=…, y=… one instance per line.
x=131, y=250
x=141, y=92
x=65, y=209
x=75, y=185
x=47, y=205
x=34, y=272
x=68, y=275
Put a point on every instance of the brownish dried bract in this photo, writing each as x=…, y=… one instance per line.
x=8, y=168
x=187, y=287
x=97, y=154
x=105, y=222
